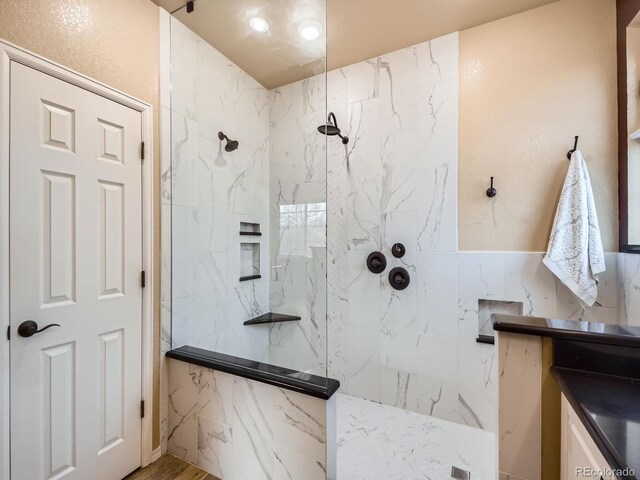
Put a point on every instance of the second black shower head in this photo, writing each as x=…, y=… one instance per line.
x=331, y=129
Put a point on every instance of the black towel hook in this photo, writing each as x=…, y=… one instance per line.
x=575, y=147
x=491, y=191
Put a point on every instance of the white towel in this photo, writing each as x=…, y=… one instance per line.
x=575, y=252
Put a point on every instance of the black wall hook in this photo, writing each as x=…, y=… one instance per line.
x=575, y=147
x=491, y=192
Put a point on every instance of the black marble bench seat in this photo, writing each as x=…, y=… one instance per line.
x=301, y=382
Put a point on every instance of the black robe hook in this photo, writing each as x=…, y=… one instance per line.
x=491, y=191
x=575, y=147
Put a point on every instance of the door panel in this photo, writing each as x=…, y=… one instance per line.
x=75, y=260
x=59, y=422
x=111, y=234
x=58, y=242
x=111, y=390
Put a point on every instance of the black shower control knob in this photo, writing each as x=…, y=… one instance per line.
x=399, y=278
x=398, y=250
x=376, y=262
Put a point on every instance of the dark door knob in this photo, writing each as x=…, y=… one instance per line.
x=30, y=328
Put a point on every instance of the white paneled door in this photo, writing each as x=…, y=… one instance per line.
x=75, y=261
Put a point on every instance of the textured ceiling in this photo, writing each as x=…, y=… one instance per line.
x=357, y=29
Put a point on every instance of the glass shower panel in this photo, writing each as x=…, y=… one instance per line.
x=249, y=169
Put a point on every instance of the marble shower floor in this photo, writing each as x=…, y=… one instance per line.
x=378, y=442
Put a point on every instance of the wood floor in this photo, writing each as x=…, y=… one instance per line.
x=170, y=468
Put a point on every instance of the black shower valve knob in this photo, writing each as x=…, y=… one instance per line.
x=399, y=278
x=376, y=262
x=398, y=250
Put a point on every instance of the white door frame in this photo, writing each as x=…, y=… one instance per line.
x=9, y=53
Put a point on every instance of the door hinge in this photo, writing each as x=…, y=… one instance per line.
x=141, y=408
x=143, y=279
x=142, y=151
x=9, y=332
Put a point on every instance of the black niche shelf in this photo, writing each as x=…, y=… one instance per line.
x=250, y=277
x=272, y=318
x=487, y=339
x=251, y=234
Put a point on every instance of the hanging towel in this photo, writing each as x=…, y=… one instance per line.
x=575, y=252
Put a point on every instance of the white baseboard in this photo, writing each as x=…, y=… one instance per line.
x=156, y=454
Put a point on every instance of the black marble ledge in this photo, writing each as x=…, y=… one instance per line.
x=608, y=408
x=272, y=317
x=301, y=382
x=568, y=329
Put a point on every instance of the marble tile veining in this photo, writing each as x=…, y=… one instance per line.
x=378, y=442
x=236, y=428
x=396, y=181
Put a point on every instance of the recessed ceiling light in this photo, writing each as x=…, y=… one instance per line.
x=310, y=30
x=258, y=24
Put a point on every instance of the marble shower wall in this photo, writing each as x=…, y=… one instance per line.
x=397, y=182
x=238, y=429
x=209, y=193
x=298, y=221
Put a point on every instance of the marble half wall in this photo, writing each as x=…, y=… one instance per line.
x=237, y=429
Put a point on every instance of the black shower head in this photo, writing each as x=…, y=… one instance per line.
x=231, y=144
x=331, y=128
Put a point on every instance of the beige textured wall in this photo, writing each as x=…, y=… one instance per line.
x=530, y=83
x=113, y=41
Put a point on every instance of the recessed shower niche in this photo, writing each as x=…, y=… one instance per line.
x=488, y=307
x=249, y=261
x=250, y=229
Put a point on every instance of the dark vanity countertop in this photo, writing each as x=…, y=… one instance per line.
x=568, y=329
x=301, y=382
x=609, y=408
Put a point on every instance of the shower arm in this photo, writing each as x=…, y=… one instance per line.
x=344, y=139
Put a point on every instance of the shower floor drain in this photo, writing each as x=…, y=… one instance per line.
x=460, y=474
